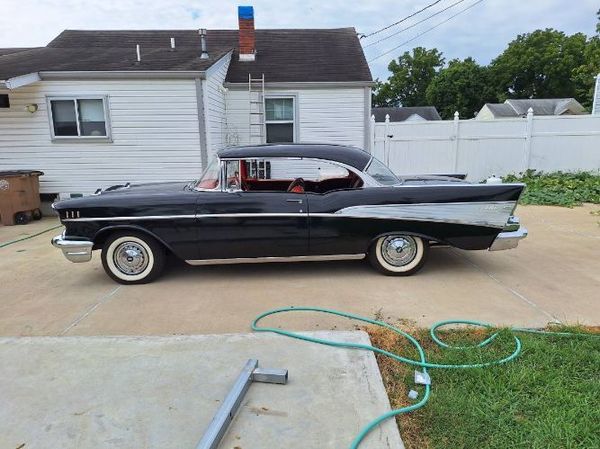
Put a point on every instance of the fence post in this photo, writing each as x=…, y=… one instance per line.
x=371, y=148
x=386, y=142
x=456, y=137
x=528, y=132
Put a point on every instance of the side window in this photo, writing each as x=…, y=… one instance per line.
x=78, y=117
x=307, y=169
x=232, y=175
x=280, y=119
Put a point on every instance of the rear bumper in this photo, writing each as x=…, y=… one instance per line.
x=74, y=250
x=508, y=239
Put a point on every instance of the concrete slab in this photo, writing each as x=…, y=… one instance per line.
x=554, y=275
x=161, y=392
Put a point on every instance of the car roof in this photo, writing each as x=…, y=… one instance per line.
x=352, y=156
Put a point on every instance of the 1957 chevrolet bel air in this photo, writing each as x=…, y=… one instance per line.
x=287, y=203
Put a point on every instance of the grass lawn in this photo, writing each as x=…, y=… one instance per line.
x=549, y=397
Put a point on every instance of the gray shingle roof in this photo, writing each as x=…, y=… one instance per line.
x=547, y=106
x=541, y=106
x=8, y=51
x=501, y=110
x=282, y=55
x=402, y=113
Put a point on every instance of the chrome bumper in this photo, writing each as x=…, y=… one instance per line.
x=74, y=250
x=508, y=239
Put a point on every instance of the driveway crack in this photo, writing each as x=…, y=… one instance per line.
x=89, y=311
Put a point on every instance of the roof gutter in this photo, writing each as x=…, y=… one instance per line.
x=305, y=84
x=122, y=74
x=21, y=80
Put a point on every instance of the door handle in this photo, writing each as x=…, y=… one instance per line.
x=290, y=200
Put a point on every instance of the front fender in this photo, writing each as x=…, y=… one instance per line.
x=102, y=234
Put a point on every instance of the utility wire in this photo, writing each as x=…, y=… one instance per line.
x=426, y=31
x=364, y=36
x=414, y=24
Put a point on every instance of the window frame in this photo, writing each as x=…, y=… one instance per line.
x=294, y=121
x=79, y=137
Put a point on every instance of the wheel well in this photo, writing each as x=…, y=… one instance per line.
x=428, y=238
x=103, y=234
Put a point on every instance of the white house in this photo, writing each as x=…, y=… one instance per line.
x=95, y=108
x=596, y=104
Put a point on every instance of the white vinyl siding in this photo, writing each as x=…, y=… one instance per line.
x=216, y=107
x=154, y=126
x=324, y=115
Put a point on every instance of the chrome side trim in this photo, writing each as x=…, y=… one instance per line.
x=74, y=250
x=489, y=214
x=508, y=240
x=275, y=259
x=140, y=217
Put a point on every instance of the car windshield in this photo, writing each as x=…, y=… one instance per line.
x=210, y=178
x=381, y=173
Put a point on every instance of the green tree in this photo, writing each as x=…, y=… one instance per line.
x=463, y=86
x=539, y=65
x=411, y=74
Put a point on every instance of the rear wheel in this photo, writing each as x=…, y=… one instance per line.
x=398, y=254
x=133, y=258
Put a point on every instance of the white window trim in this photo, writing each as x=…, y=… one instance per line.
x=79, y=138
x=294, y=122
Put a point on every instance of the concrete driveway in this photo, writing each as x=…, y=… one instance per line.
x=554, y=275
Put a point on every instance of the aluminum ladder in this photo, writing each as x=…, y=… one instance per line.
x=256, y=98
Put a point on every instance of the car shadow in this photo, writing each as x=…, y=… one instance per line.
x=440, y=259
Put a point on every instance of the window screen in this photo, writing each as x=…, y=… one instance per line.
x=280, y=119
x=78, y=117
x=4, y=101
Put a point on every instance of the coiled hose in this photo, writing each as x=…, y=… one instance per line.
x=421, y=362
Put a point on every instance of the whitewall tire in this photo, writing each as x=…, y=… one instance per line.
x=133, y=258
x=398, y=254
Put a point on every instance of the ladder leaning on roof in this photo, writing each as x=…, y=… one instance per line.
x=256, y=98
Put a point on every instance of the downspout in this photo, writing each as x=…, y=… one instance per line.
x=202, y=119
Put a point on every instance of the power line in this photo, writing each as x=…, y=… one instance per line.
x=414, y=24
x=426, y=31
x=400, y=21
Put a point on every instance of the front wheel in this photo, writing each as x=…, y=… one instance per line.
x=133, y=258
x=398, y=254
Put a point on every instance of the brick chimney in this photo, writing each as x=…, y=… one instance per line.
x=247, y=38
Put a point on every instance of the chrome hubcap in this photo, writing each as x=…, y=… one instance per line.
x=399, y=250
x=130, y=258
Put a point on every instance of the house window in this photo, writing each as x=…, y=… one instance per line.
x=78, y=117
x=279, y=119
x=4, y=101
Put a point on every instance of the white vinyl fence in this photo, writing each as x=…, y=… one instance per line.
x=481, y=148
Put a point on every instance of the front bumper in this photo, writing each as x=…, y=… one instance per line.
x=74, y=250
x=508, y=239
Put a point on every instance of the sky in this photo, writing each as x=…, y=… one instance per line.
x=482, y=31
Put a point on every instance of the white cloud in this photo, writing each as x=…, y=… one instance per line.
x=482, y=32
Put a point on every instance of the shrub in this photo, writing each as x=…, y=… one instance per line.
x=558, y=188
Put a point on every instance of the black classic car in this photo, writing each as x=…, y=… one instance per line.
x=289, y=202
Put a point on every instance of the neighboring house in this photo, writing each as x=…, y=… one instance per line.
x=406, y=114
x=596, y=104
x=95, y=108
x=519, y=108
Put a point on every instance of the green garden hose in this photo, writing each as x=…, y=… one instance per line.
x=422, y=362
x=2, y=245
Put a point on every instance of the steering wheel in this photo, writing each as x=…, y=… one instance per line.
x=297, y=186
